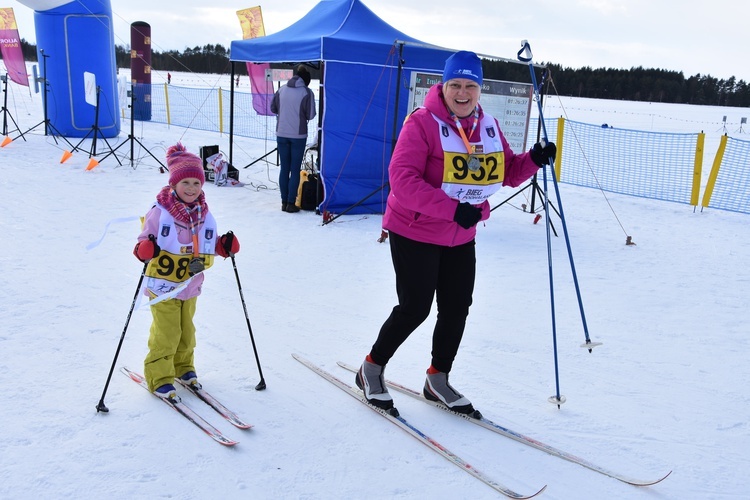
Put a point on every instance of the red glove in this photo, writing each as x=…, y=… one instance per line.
x=227, y=245
x=147, y=249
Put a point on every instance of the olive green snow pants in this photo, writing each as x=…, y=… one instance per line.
x=172, y=342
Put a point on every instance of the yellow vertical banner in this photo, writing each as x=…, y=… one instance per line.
x=251, y=20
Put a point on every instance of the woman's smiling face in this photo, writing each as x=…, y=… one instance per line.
x=461, y=96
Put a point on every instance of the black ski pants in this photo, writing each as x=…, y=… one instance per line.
x=425, y=271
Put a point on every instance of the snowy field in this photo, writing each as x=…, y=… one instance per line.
x=669, y=389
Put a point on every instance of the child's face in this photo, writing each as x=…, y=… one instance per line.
x=188, y=189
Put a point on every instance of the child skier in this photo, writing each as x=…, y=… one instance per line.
x=179, y=242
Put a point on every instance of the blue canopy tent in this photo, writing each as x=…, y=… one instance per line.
x=366, y=66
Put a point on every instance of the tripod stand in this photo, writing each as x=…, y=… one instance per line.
x=131, y=138
x=47, y=124
x=96, y=131
x=6, y=112
x=535, y=191
x=263, y=158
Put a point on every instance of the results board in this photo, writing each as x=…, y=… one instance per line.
x=509, y=102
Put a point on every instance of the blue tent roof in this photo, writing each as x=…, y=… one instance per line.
x=334, y=30
x=365, y=101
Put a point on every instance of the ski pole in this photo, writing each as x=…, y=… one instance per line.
x=101, y=406
x=262, y=384
x=588, y=344
x=557, y=398
x=524, y=55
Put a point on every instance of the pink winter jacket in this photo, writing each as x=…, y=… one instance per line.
x=417, y=207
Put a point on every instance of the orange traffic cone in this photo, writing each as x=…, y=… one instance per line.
x=6, y=141
x=66, y=154
x=92, y=164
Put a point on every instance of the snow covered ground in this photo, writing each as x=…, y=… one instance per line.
x=667, y=390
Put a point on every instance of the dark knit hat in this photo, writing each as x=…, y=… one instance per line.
x=183, y=165
x=463, y=64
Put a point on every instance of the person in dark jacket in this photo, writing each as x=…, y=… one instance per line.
x=294, y=105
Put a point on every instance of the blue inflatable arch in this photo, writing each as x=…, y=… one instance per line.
x=73, y=38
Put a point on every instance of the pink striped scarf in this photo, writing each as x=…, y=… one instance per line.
x=180, y=210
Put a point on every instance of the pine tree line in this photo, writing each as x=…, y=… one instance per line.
x=634, y=84
x=207, y=59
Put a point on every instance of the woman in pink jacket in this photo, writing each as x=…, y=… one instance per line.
x=449, y=159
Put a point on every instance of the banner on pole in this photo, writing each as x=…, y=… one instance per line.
x=89, y=90
x=251, y=21
x=10, y=46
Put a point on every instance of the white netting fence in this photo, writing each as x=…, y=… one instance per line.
x=647, y=164
x=658, y=165
x=729, y=183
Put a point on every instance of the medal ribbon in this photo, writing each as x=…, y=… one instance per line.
x=189, y=211
x=469, y=148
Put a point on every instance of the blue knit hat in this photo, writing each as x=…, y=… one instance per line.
x=463, y=64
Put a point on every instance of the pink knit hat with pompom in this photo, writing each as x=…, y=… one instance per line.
x=183, y=165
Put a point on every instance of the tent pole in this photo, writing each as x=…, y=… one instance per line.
x=231, y=112
x=321, y=99
x=398, y=93
x=319, y=136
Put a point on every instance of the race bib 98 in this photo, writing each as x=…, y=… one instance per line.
x=174, y=268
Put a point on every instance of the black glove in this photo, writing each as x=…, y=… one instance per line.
x=467, y=215
x=542, y=152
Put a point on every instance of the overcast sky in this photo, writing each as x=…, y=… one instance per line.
x=688, y=35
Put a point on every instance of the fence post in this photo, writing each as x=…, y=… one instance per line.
x=221, y=113
x=558, y=156
x=714, y=172
x=697, y=169
x=166, y=103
